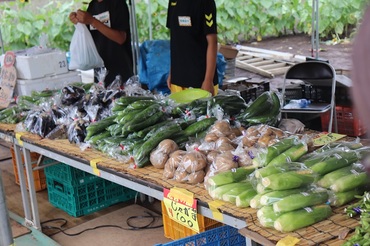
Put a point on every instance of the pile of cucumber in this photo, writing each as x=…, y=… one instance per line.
x=18, y=112
x=138, y=125
x=291, y=188
x=264, y=110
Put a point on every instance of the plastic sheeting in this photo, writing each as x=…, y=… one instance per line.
x=154, y=65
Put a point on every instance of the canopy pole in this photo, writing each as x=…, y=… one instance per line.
x=6, y=235
x=134, y=36
x=315, y=29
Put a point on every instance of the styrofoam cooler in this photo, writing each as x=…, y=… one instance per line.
x=40, y=65
x=26, y=86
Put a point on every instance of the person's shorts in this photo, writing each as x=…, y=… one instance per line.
x=176, y=88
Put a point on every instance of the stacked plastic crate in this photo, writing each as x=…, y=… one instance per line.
x=79, y=193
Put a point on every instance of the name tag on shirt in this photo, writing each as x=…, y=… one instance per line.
x=184, y=21
x=103, y=18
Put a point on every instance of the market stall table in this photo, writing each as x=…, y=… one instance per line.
x=149, y=180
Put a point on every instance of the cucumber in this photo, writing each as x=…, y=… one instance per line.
x=127, y=115
x=144, y=114
x=243, y=199
x=264, y=157
x=118, y=108
x=230, y=196
x=99, y=126
x=231, y=104
x=268, y=117
x=289, y=180
x=255, y=202
x=257, y=107
x=300, y=218
x=328, y=179
x=338, y=199
x=152, y=120
x=141, y=156
x=199, y=126
x=290, y=155
x=271, y=197
x=350, y=182
x=278, y=168
x=267, y=216
x=230, y=176
x=115, y=129
x=335, y=162
x=141, y=104
x=114, y=140
x=126, y=100
x=130, y=147
x=301, y=200
x=180, y=139
x=218, y=192
x=94, y=139
x=142, y=133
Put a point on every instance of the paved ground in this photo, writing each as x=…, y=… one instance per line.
x=338, y=55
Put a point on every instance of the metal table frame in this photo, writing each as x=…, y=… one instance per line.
x=29, y=199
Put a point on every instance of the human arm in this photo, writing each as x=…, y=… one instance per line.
x=169, y=80
x=114, y=35
x=211, y=58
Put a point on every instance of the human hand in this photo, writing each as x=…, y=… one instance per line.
x=73, y=17
x=208, y=87
x=84, y=17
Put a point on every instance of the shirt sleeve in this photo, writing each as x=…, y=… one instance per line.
x=210, y=17
x=169, y=13
x=120, y=16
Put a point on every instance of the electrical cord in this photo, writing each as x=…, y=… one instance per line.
x=129, y=222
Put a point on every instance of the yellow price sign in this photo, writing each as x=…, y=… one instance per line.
x=326, y=138
x=181, y=207
x=288, y=241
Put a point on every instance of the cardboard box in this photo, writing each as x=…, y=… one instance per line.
x=26, y=86
x=229, y=52
x=40, y=65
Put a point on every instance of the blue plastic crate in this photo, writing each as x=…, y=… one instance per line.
x=66, y=173
x=220, y=236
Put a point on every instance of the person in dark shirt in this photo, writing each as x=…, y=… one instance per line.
x=193, y=45
x=360, y=75
x=108, y=22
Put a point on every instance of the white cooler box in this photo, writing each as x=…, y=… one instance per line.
x=41, y=65
x=26, y=86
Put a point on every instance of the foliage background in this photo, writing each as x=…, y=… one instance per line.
x=238, y=21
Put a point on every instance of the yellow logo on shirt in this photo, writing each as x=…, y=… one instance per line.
x=209, y=21
x=173, y=3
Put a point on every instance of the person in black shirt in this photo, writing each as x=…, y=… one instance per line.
x=108, y=22
x=193, y=41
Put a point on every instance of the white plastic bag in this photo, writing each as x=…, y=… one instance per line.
x=83, y=52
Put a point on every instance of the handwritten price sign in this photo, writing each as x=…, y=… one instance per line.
x=181, y=207
x=8, y=77
x=323, y=139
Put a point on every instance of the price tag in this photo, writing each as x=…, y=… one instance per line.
x=288, y=241
x=8, y=77
x=181, y=207
x=93, y=164
x=327, y=138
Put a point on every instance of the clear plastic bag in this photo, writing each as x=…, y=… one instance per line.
x=84, y=54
